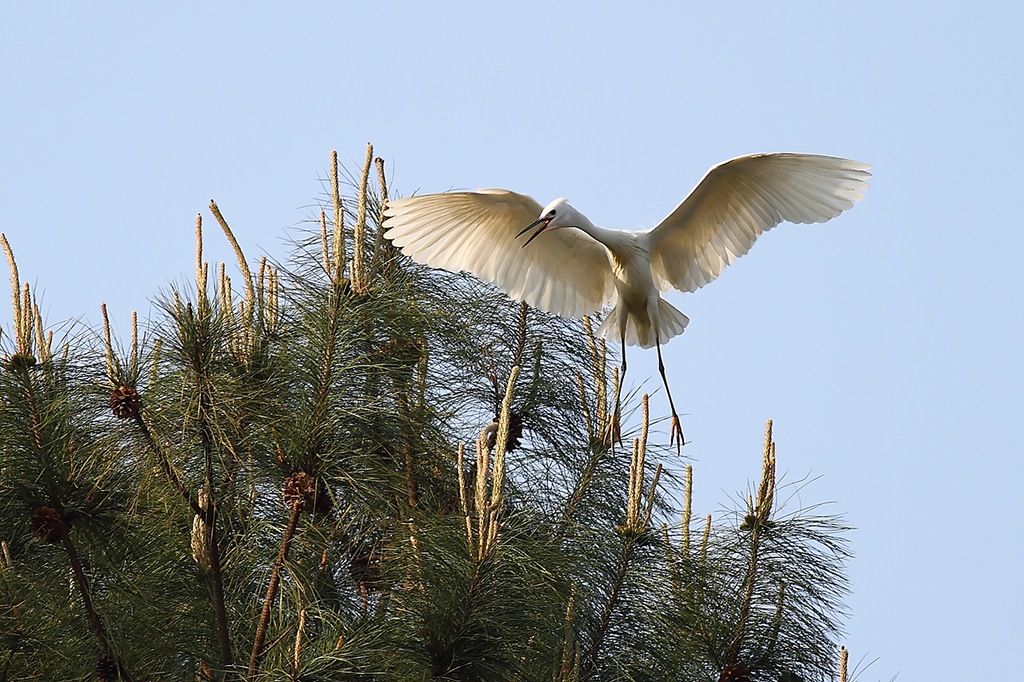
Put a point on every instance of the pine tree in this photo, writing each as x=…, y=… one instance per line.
x=352, y=467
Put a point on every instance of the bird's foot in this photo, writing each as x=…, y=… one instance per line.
x=613, y=432
x=676, y=435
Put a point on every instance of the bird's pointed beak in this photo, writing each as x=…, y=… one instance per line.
x=529, y=227
x=543, y=222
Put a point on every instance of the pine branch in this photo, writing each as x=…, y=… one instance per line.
x=217, y=581
x=82, y=584
x=258, y=650
x=165, y=465
x=621, y=569
x=633, y=530
x=209, y=514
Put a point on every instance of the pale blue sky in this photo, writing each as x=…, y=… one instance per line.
x=885, y=344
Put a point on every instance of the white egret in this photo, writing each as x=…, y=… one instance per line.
x=578, y=268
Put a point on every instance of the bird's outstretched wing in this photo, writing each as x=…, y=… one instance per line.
x=741, y=198
x=565, y=272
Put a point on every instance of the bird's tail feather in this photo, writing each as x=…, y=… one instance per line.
x=671, y=323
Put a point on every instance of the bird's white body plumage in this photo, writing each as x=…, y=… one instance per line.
x=575, y=272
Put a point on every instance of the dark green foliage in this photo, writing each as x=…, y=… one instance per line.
x=286, y=498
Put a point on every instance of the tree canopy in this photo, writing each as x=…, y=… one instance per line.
x=346, y=466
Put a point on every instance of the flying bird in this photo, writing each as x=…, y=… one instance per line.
x=571, y=267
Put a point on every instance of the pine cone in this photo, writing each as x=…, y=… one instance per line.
x=737, y=672
x=299, y=489
x=21, y=361
x=751, y=521
x=307, y=492
x=47, y=524
x=515, y=432
x=125, y=402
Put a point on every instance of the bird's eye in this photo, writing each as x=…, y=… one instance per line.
x=551, y=213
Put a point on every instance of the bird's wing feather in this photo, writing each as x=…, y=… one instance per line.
x=741, y=198
x=564, y=271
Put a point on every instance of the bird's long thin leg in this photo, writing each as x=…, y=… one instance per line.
x=676, y=431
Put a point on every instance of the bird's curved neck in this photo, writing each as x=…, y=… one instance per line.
x=597, y=232
x=616, y=241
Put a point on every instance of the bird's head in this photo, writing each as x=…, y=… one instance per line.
x=559, y=213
